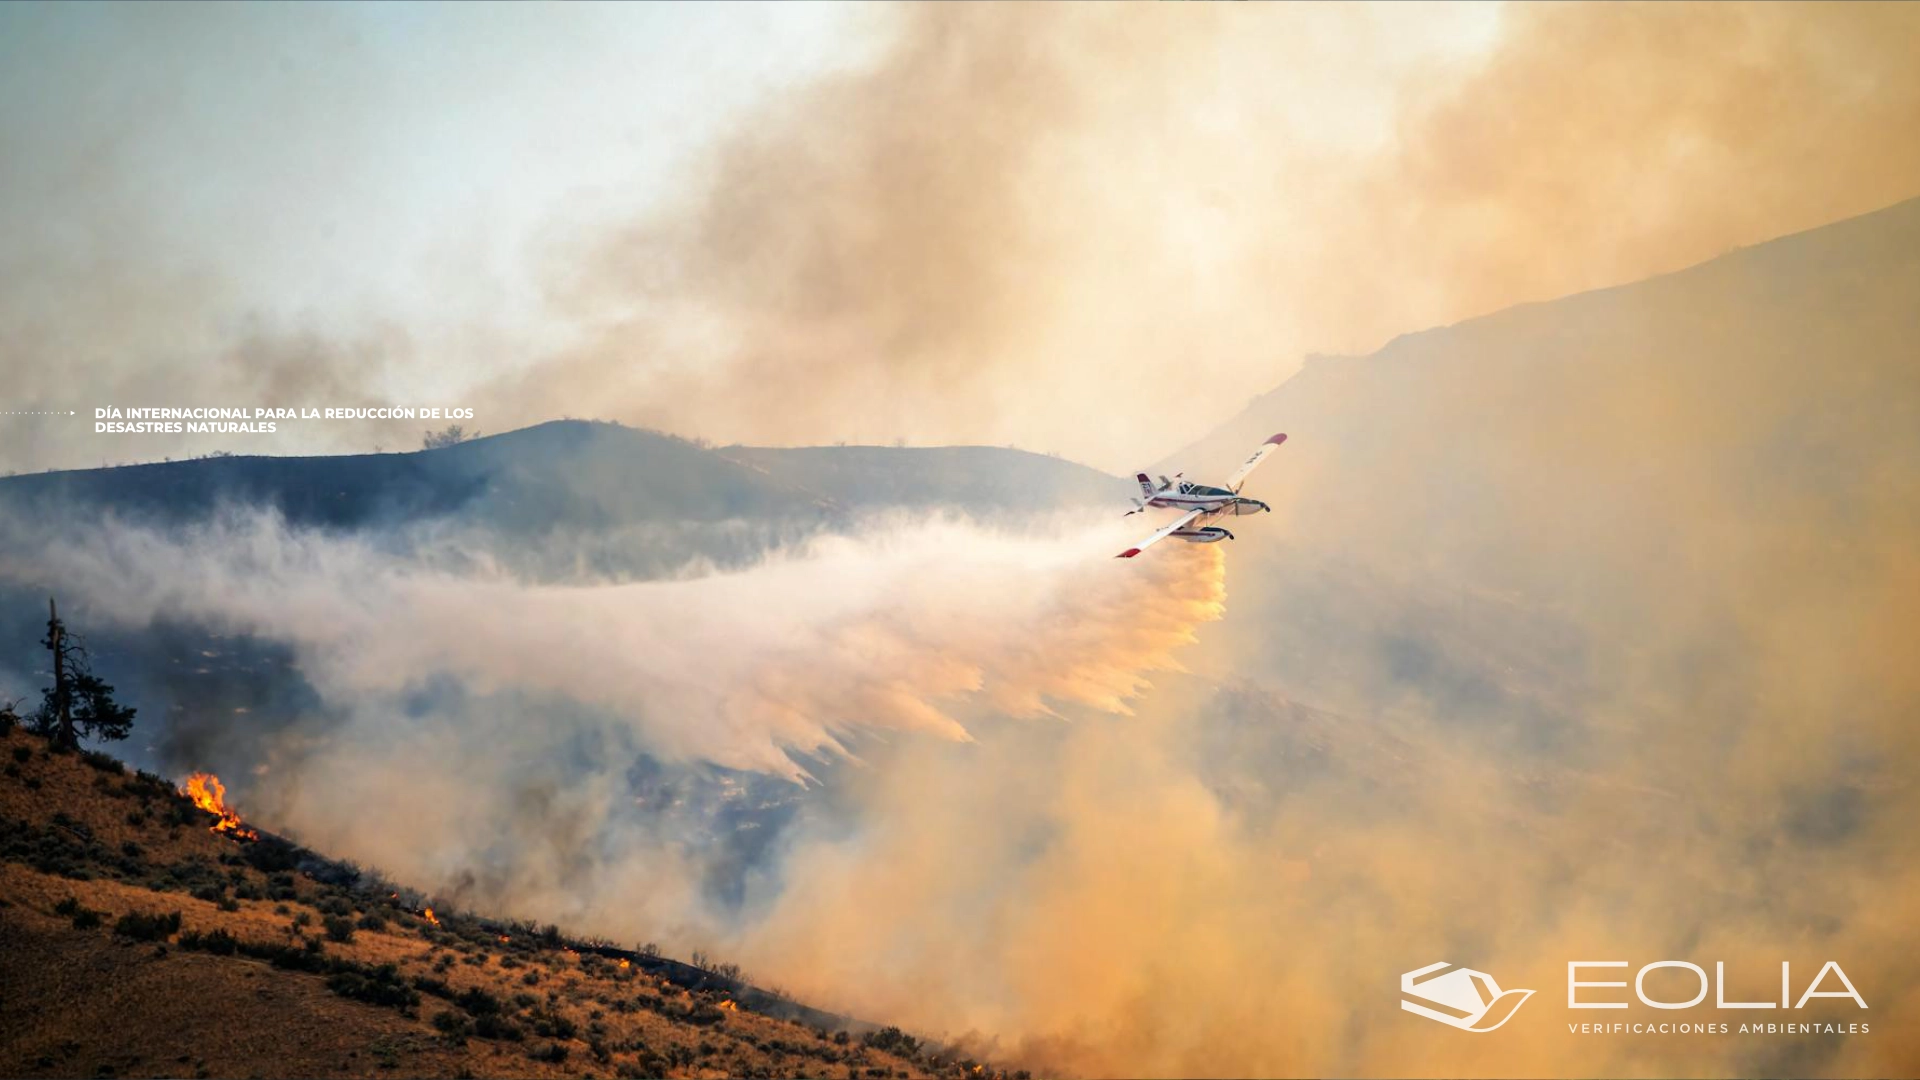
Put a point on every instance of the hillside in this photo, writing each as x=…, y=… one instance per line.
x=1656, y=453
x=136, y=940
x=568, y=474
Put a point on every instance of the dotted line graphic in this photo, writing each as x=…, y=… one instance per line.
x=14, y=412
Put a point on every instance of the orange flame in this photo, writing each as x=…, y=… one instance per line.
x=209, y=794
x=729, y=1006
x=430, y=918
x=625, y=964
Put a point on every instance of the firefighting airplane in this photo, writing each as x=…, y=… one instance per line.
x=1199, y=504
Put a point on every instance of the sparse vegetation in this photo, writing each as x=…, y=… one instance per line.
x=147, y=927
x=451, y=435
x=119, y=839
x=380, y=985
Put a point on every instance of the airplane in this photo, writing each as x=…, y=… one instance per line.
x=1198, y=503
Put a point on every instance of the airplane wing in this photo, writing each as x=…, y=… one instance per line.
x=1178, y=523
x=1240, y=474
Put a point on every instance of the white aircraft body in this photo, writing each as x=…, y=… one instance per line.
x=1199, y=504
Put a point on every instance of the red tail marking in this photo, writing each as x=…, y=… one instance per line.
x=1128, y=554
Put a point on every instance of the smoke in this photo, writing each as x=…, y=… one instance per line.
x=589, y=752
x=1014, y=209
x=866, y=633
x=985, y=224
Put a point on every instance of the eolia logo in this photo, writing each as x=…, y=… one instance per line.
x=1471, y=1000
x=1459, y=997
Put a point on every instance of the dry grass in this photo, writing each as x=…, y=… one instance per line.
x=78, y=998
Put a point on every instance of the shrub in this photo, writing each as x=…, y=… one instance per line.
x=495, y=1026
x=147, y=927
x=478, y=1002
x=103, y=762
x=85, y=919
x=427, y=984
x=375, y=986
x=22, y=754
x=892, y=1040
x=553, y=1052
x=456, y=1026
x=339, y=929
x=152, y=784
x=219, y=942
x=551, y=1025
x=370, y=921
x=272, y=855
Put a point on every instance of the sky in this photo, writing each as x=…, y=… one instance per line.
x=1091, y=230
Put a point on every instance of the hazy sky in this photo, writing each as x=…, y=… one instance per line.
x=1088, y=229
x=180, y=183
x=330, y=167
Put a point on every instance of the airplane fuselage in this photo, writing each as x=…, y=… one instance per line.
x=1215, y=501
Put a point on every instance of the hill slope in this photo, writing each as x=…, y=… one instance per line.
x=569, y=474
x=259, y=958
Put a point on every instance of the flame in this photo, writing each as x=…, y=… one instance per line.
x=209, y=794
x=625, y=964
x=429, y=914
x=504, y=939
x=729, y=1006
